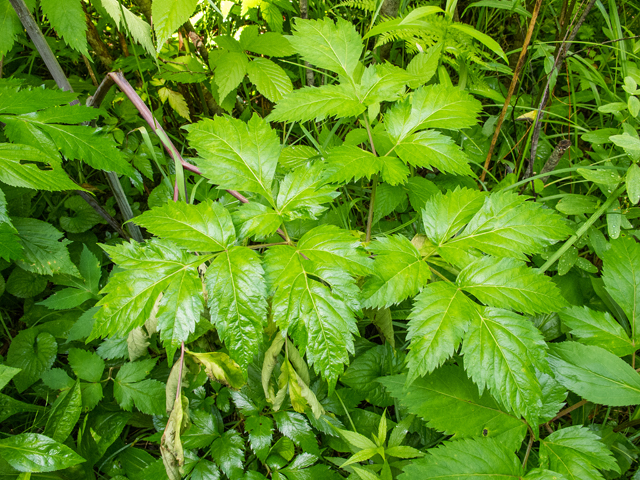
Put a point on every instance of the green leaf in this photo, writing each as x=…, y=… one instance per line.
x=23, y=284
x=43, y=253
x=205, y=227
x=272, y=44
x=270, y=79
x=50, y=177
x=500, y=352
x=237, y=301
x=576, y=453
x=317, y=103
x=450, y=403
x=595, y=374
x=303, y=192
x=633, y=183
x=509, y=226
x=420, y=190
x=336, y=47
x=147, y=271
x=440, y=316
x=203, y=431
x=32, y=452
x=510, y=283
x=294, y=426
x=466, y=459
x=129, y=389
x=256, y=219
x=237, y=155
x=231, y=67
x=444, y=215
x=90, y=269
x=136, y=26
x=227, y=452
x=205, y=470
x=260, y=430
x=553, y=397
x=6, y=374
x=70, y=22
x=431, y=149
x=10, y=406
x=400, y=272
x=382, y=82
x=33, y=354
x=348, y=162
x=86, y=365
x=319, y=317
x=66, y=298
x=388, y=199
x=539, y=473
x=486, y=40
x=621, y=275
x=220, y=368
x=10, y=27
x=436, y=106
x=424, y=65
x=599, y=329
x=168, y=16
x=64, y=414
x=10, y=248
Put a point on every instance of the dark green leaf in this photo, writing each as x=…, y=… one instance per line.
x=227, y=452
x=33, y=354
x=64, y=414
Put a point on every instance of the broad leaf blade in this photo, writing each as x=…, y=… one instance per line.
x=431, y=149
x=32, y=452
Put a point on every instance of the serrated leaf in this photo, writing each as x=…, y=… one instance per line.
x=424, y=65
x=6, y=374
x=176, y=101
x=67, y=298
x=136, y=26
x=15, y=100
x=70, y=22
x=295, y=427
x=440, y=316
x=147, y=271
x=129, y=389
x=388, y=199
x=553, y=397
x=10, y=27
x=33, y=354
x=598, y=328
x=260, y=430
x=270, y=79
x=51, y=177
x=203, y=431
x=486, y=40
x=303, y=192
x=168, y=16
x=500, y=352
x=507, y=225
x=400, y=272
x=510, y=283
x=436, y=106
x=237, y=155
x=621, y=275
x=32, y=452
x=336, y=47
x=227, y=452
x=64, y=414
x=237, y=301
x=382, y=82
x=273, y=44
x=205, y=227
x=317, y=103
x=445, y=215
x=430, y=149
x=465, y=459
x=595, y=374
x=348, y=162
x=86, y=365
x=231, y=67
x=255, y=219
x=319, y=318
x=576, y=453
x=450, y=403
x=420, y=190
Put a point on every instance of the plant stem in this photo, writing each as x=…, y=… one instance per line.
x=529, y=446
x=583, y=229
x=570, y=409
x=375, y=181
x=178, y=390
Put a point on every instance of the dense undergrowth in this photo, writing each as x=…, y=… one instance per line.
x=357, y=239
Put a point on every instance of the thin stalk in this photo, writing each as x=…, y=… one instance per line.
x=178, y=390
x=375, y=182
x=583, y=229
x=570, y=409
x=529, y=446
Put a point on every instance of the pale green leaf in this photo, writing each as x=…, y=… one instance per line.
x=231, y=67
x=303, y=193
x=237, y=301
x=399, y=270
x=168, y=16
x=633, y=183
x=430, y=149
x=450, y=403
x=348, y=162
x=436, y=106
x=500, y=350
x=136, y=26
x=466, y=459
x=270, y=79
x=598, y=328
x=70, y=22
x=440, y=316
x=336, y=47
x=444, y=215
x=237, y=155
x=577, y=453
x=205, y=227
x=273, y=44
x=6, y=374
x=595, y=374
x=317, y=103
x=510, y=283
x=255, y=219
